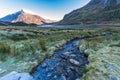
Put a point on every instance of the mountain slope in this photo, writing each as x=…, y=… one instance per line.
x=24, y=16
x=3, y=23
x=96, y=11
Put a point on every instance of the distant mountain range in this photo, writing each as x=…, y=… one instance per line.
x=95, y=12
x=25, y=17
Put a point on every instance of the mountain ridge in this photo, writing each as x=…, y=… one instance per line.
x=96, y=11
x=25, y=16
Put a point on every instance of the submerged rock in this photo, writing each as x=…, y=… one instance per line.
x=44, y=65
x=62, y=78
x=17, y=76
x=72, y=55
x=77, y=79
x=66, y=53
x=75, y=62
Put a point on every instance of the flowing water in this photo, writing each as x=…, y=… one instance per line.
x=68, y=26
x=66, y=64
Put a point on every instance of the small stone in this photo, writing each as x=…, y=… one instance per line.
x=75, y=62
x=75, y=44
x=77, y=79
x=55, y=76
x=62, y=77
x=44, y=65
x=52, y=68
x=72, y=55
x=66, y=53
x=72, y=68
x=49, y=75
x=64, y=57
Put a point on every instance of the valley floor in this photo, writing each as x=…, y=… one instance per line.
x=23, y=48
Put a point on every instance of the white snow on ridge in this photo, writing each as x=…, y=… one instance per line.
x=14, y=16
x=28, y=11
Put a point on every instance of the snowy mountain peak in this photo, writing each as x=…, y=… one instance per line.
x=28, y=11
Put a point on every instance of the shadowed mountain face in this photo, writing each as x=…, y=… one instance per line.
x=15, y=24
x=96, y=11
x=25, y=17
x=3, y=23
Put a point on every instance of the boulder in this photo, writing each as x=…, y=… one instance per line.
x=17, y=76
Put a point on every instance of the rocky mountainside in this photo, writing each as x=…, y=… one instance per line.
x=96, y=11
x=16, y=24
x=3, y=23
x=25, y=16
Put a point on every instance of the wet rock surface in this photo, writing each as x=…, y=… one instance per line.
x=17, y=76
x=66, y=64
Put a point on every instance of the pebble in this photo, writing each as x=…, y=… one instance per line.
x=62, y=77
x=49, y=75
x=44, y=65
x=72, y=68
x=75, y=62
x=63, y=57
x=72, y=55
x=55, y=76
x=77, y=79
x=66, y=53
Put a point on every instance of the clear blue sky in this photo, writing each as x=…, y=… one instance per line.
x=51, y=9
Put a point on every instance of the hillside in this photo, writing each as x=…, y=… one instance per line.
x=96, y=11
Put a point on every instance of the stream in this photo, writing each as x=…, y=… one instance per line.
x=66, y=64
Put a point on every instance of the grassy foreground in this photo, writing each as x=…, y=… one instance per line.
x=22, y=48
x=104, y=56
